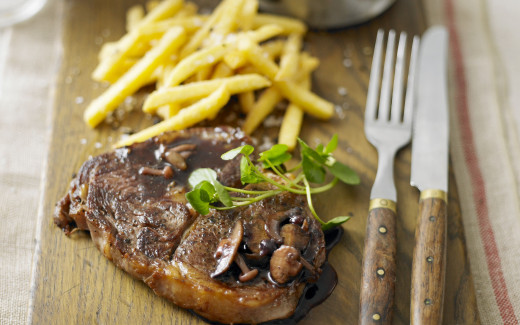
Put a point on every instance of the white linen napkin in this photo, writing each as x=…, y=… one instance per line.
x=29, y=56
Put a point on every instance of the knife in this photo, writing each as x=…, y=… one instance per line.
x=430, y=175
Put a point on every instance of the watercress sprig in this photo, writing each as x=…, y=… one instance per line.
x=208, y=193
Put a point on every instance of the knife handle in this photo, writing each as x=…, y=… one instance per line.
x=378, y=279
x=429, y=259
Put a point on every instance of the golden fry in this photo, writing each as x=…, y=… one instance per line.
x=134, y=78
x=263, y=107
x=133, y=16
x=227, y=22
x=308, y=101
x=289, y=61
x=186, y=117
x=222, y=70
x=194, y=62
x=196, y=90
x=292, y=121
x=247, y=101
x=164, y=9
x=289, y=25
x=249, y=10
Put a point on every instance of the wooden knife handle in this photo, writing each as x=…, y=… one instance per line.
x=429, y=259
x=378, y=279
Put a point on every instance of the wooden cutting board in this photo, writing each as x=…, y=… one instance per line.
x=75, y=284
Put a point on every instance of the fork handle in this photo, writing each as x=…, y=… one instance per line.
x=429, y=259
x=378, y=279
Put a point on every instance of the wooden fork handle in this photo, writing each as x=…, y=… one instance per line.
x=378, y=279
x=429, y=259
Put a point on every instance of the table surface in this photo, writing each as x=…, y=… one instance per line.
x=76, y=284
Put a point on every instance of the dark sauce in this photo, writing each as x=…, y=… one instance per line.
x=314, y=293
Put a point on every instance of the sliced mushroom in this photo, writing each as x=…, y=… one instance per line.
x=184, y=147
x=247, y=274
x=254, y=234
x=294, y=236
x=285, y=264
x=227, y=249
x=167, y=171
x=272, y=227
x=175, y=158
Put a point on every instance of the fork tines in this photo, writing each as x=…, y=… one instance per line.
x=385, y=112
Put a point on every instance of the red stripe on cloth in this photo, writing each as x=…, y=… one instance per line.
x=479, y=191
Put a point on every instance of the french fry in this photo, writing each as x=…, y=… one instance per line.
x=164, y=9
x=151, y=4
x=134, y=78
x=290, y=58
x=289, y=25
x=108, y=49
x=194, y=62
x=197, y=90
x=201, y=34
x=167, y=111
x=128, y=43
x=222, y=70
x=273, y=49
x=186, y=117
x=227, y=22
x=204, y=73
x=190, y=24
x=249, y=10
x=308, y=101
x=188, y=10
x=133, y=16
x=292, y=121
x=247, y=101
x=263, y=107
x=236, y=59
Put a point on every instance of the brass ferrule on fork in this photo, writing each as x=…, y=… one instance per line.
x=382, y=203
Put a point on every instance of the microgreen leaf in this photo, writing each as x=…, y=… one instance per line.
x=332, y=145
x=246, y=150
x=201, y=196
x=209, y=175
x=313, y=171
x=247, y=173
x=277, y=155
x=311, y=153
x=334, y=222
x=344, y=173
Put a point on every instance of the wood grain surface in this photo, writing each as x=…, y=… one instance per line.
x=75, y=284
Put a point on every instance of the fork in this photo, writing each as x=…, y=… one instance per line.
x=387, y=128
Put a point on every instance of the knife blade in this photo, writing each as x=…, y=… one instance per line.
x=429, y=173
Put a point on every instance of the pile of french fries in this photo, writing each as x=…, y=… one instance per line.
x=197, y=61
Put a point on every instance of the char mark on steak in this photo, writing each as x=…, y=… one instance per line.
x=245, y=265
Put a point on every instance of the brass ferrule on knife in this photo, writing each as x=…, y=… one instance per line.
x=382, y=203
x=435, y=194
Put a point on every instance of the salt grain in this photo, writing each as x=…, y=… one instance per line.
x=339, y=112
x=342, y=91
x=79, y=100
x=83, y=141
x=347, y=63
x=97, y=145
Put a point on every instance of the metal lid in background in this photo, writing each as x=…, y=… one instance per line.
x=327, y=13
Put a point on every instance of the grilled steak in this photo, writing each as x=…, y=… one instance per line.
x=244, y=265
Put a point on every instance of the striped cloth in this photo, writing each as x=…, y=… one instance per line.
x=485, y=145
x=485, y=151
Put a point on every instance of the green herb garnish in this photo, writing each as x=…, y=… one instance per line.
x=209, y=193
